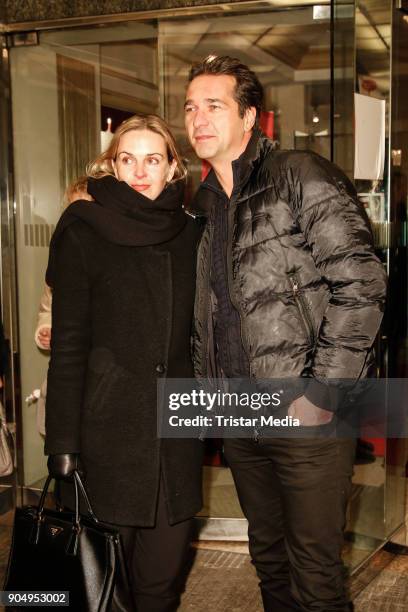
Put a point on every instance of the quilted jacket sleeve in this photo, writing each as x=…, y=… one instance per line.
x=70, y=343
x=337, y=230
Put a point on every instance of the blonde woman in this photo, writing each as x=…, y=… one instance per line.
x=122, y=274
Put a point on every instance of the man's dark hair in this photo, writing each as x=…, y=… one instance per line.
x=248, y=90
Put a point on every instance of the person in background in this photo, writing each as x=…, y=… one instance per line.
x=42, y=335
x=122, y=274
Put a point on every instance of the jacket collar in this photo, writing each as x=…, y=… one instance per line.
x=241, y=167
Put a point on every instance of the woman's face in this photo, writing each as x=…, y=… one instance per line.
x=142, y=162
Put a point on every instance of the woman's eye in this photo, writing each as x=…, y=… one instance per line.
x=153, y=161
x=127, y=161
x=214, y=106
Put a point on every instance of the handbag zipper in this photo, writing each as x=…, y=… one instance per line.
x=303, y=309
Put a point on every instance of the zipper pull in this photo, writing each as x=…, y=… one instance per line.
x=295, y=286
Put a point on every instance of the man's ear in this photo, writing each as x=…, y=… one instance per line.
x=249, y=118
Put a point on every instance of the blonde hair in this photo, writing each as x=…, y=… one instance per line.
x=76, y=191
x=102, y=165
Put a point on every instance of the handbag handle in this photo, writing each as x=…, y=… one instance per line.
x=77, y=484
x=79, y=488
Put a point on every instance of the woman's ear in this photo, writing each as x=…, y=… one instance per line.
x=172, y=170
x=115, y=172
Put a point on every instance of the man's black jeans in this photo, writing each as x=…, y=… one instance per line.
x=294, y=494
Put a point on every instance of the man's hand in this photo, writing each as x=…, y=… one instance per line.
x=309, y=414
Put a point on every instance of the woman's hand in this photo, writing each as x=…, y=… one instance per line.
x=44, y=338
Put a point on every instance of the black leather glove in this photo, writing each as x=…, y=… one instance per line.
x=62, y=466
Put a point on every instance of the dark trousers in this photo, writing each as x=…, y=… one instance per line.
x=156, y=558
x=294, y=494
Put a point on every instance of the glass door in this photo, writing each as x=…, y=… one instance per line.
x=75, y=86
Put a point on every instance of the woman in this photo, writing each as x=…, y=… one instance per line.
x=121, y=271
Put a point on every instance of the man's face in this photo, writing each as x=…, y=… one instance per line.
x=214, y=127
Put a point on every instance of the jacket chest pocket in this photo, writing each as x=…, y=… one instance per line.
x=303, y=309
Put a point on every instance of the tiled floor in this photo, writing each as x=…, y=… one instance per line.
x=222, y=578
x=225, y=581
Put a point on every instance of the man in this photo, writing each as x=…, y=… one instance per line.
x=287, y=286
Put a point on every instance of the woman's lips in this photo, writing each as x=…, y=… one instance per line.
x=140, y=187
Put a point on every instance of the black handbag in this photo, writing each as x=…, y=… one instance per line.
x=60, y=551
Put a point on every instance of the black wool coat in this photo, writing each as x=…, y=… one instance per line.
x=121, y=319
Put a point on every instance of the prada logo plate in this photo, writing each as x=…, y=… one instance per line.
x=55, y=530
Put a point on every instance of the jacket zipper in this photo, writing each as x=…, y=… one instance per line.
x=303, y=309
x=234, y=302
x=210, y=317
x=207, y=308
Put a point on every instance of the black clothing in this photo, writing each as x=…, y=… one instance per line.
x=124, y=216
x=231, y=356
x=62, y=467
x=121, y=320
x=302, y=271
x=309, y=291
x=156, y=560
x=294, y=494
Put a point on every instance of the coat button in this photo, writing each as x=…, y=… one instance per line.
x=160, y=368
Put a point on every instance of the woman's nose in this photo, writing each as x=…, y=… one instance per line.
x=139, y=170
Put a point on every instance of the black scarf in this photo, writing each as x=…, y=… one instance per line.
x=124, y=216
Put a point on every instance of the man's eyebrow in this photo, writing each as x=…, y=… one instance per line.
x=208, y=100
x=212, y=100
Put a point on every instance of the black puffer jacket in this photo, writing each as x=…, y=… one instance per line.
x=302, y=271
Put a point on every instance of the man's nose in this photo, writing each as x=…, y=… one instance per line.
x=200, y=118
